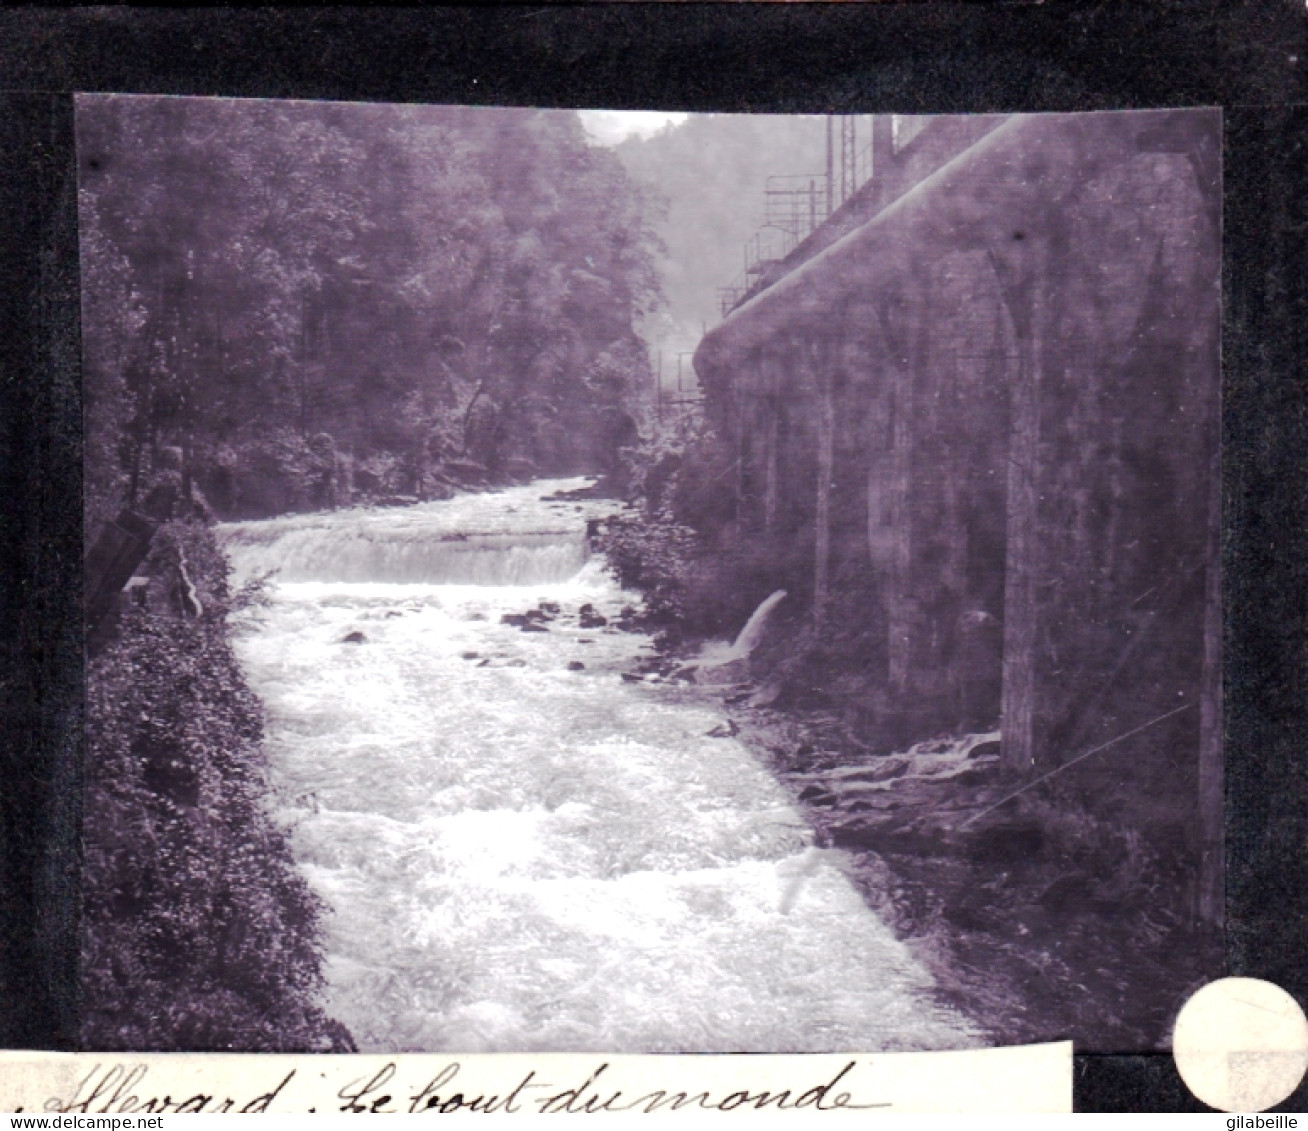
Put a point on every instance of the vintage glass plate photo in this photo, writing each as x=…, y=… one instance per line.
x=586, y=581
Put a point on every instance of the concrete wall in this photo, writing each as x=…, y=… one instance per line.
x=992, y=411
x=895, y=171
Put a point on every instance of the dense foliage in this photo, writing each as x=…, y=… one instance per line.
x=311, y=303
x=679, y=542
x=198, y=933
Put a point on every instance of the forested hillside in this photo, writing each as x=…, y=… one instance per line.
x=301, y=305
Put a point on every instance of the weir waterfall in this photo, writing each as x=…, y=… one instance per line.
x=519, y=850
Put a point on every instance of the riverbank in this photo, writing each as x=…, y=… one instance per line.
x=198, y=933
x=1067, y=911
x=1036, y=918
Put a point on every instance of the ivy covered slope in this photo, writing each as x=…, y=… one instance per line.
x=198, y=933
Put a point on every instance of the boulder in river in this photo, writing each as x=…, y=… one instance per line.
x=355, y=637
x=731, y=672
x=576, y=666
x=464, y=470
x=587, y=617
x=532, y=626
x=515, y=619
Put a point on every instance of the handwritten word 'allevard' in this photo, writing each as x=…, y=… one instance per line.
x=116, y=1089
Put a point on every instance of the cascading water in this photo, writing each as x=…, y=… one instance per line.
x=519, y=850
x=749, y=636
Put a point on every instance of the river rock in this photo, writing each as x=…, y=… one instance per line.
x=531, y=626
x=355, y=637
x=463, y=470
x=550, y=608
x=470, y=655
x=587, y=617
x=436, y=489
x=720, y=675
x=515, y=619
x=576, y=666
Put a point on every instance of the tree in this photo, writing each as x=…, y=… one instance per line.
x=413, y=284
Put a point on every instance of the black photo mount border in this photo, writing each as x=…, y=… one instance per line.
x=1248, y=59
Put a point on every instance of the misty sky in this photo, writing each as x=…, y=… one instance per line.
x=609, y=127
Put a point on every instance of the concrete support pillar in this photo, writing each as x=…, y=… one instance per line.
x=899, y=596
x=771, y=382
x=740, y=422
x=826, y=435
x=1025, y=302
x=883, y=145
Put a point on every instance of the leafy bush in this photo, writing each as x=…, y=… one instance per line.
x=198, y=933
x=701, y=573
x=658, y=556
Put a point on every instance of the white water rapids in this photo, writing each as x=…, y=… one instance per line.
x=521, y=857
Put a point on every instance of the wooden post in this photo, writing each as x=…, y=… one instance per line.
x=119, y=548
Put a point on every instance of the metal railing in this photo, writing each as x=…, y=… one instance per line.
x=794, y=207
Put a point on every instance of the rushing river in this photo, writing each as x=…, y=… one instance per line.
x=518, y=855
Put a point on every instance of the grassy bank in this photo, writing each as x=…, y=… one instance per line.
x=198, y=932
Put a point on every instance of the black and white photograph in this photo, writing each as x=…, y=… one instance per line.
x=647, y=582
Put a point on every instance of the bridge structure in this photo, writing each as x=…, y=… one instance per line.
x=985, y=392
